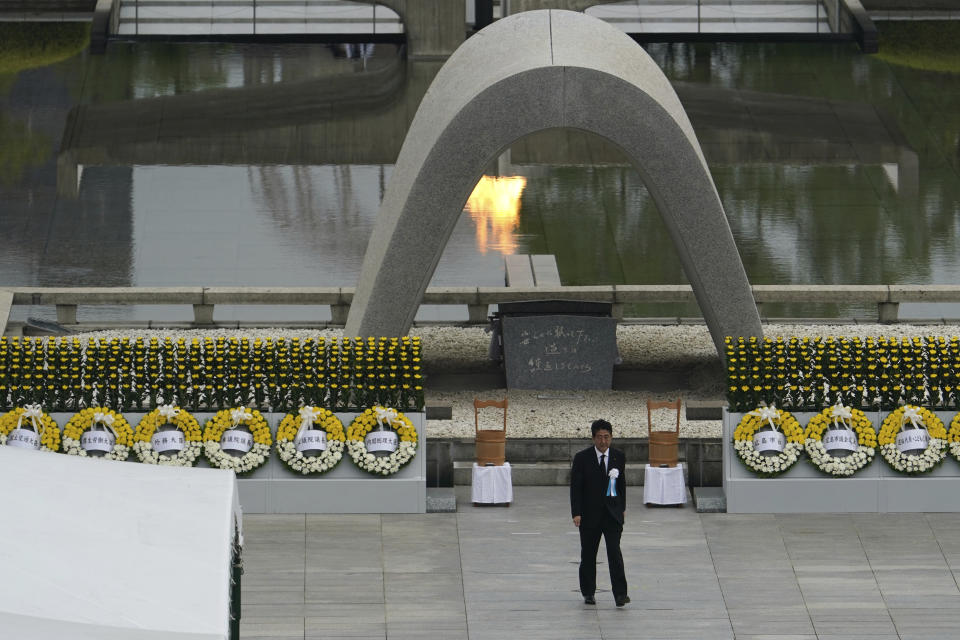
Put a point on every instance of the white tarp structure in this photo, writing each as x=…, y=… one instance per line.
x=103, y=550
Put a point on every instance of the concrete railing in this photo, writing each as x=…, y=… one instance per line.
x=887, y=298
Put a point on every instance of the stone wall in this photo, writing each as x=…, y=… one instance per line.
x=702, y=456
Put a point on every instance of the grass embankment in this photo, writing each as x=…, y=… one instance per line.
x=26, y=45
x=931, y=46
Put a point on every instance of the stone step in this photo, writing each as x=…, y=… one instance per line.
x=441, y=500
x=545, y=474
x=710, y=499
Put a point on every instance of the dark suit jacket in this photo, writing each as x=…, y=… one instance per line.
x=588, y=487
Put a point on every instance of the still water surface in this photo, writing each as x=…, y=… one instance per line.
x=259, y=165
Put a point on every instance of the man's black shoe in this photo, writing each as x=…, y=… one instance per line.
x=589, y=600
x=622, y=601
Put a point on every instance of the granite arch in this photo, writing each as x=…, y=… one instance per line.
x=532, y=71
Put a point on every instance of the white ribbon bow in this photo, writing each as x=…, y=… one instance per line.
x=385, y=415
x=614, y=473
x=34, y=412
x=842, y=414
x=767, y=413
x=911, y=415
x=307, y=416
x=168, y=412
x=104, y=419
x=239, y=415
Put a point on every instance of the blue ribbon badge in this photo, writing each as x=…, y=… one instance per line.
x=612, y=485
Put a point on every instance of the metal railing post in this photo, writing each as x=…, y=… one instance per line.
x=339, y=313
x=203, y=314
x=887, y=312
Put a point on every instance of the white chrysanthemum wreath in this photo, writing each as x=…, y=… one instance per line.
x=312, y=429
x=29, y=428
x=913, y=428
x=224, y=425
x=852, y=431
x=379, y=423
x=186, y=440
x=100, y=429
x=784, y=439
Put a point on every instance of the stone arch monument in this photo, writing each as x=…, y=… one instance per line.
x=533, y=71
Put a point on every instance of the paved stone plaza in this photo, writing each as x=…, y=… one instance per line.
x=492, y=572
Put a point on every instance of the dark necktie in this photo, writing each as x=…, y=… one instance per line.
x=603, y=464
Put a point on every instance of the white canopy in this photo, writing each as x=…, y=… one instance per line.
x=113, y=550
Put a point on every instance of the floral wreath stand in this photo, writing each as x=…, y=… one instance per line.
x=805, y=489
x=275, y=488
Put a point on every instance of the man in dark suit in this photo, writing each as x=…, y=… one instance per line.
x=597, y=506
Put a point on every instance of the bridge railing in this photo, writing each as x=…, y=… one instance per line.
x=67, y=301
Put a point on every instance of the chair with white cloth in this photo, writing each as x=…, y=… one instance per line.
x=492, y=482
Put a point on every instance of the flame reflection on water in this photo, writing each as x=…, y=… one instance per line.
x=494, y=206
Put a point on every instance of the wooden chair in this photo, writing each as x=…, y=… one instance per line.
x=490, y=443
x=664, y=445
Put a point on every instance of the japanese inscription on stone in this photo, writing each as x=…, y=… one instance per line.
x=559, y=352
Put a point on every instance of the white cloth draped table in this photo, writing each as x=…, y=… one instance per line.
x=664, y=485
x=492, y=485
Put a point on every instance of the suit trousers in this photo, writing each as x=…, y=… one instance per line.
x=611, y=530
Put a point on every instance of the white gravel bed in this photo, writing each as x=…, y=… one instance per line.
x=568, y=414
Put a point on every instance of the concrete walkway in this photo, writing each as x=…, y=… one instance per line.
x=493, y=572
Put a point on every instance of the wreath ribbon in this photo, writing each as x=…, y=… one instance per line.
x=911, y=415
x=385, y=415
x=842, y=414
x=767, y=413
x=168, y=412
x=34, y=412
x=239, y=415
x=307, y=416
x=105, y=420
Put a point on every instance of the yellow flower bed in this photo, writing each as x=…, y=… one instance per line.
x=228, y=419
x=313, y=418
x=84, y=421
x=48, y=429
x=391, y=419
x=183, y=421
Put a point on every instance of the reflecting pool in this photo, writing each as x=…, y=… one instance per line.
x=264, y=165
